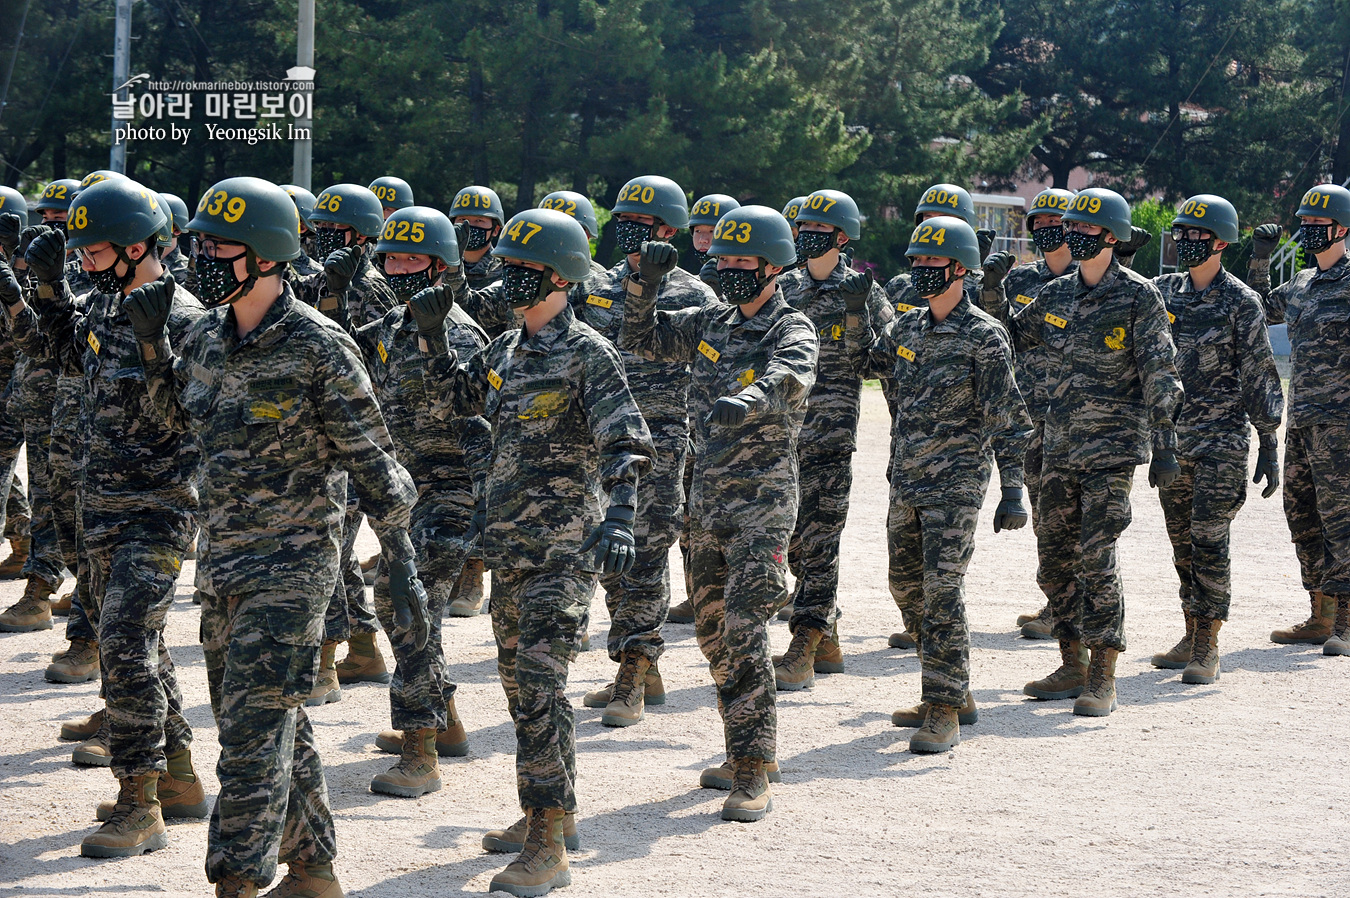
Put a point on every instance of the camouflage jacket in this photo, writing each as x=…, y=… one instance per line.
x=661, y=388
x=564, y=428
x=35, y=377
x=136, y=474
x=1226, y=365
x=281, y=414
x=446, y=459
x=959, y=409
x=832, y=412
x=1318, y=314
x=177, y=265
x=1020, y=288
x=368, y=296
x=484, y=273
x=493, y=313
x=902, y=295
x=744, y=475
x=1111, y=377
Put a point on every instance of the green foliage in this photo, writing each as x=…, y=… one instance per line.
x=1156, y=217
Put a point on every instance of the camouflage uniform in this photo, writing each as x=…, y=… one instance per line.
x=639, y=600
x=488, y=305
x=15, y=512
x=744, y=501
x=280, y=415
x=176, y=263
x=959, y=411
x=1228, y=370
x=445, y=460
x=1111, y=381
x=137, y=501
x=483, y=273
x=1316, y=305
x=564, y=427
x=828, y=440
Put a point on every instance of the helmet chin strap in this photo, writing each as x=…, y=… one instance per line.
x=254, y=273
x=129, y=262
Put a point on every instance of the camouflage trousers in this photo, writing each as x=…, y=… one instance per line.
x=44, y=557
x=639, y=600
x=689, y=462
x=537, y=619
x=1199, y=508
x=1080, y=516
x=421, y=687
x=824, y=483
x=1031, y=465
x=740, y=579
x=15, y=513
x=929, y=550
x=1317, y=504
x=130, y=593
x=349, y=611
x=273, y=802
x=65, y=495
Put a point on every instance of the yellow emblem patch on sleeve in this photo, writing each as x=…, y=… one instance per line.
x=1056, y=321
x=262, y=409
x=384, y=353
x=600, y=301
x=1023, y=299
x=712, y=354
x=746, y=378
x=495, y=379
x=93, y=342
x=1116, y=339
x=904, y=307
x=906, y=354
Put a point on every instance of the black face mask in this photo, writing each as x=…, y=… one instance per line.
x=108, y=280
x=56, y=224
x=216, y=280
x=406, y=286
x=1315, y=238
x=931, y=280
x=699, y=259
x=1085, y=246
x=814, y=244
x=1048, y=239
x=525, y=287
x=630, y=235
x=741, y=286
x=1193, y=252
x=477, y=238
x=328, y=240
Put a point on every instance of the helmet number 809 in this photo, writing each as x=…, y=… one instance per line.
x=1093, y=204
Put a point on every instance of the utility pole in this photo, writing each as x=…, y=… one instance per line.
x=302, y=172
x=117, y=158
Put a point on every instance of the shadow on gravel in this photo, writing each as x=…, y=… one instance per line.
x=1274, y=659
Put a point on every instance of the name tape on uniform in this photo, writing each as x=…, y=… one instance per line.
x=904, y=353
x=1056, y=321
x=600, y=301
x=712, y=354
x=495, y=379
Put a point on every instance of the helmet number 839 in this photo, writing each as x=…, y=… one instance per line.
x=728, y=229
x=404, y=231
x=215, y=203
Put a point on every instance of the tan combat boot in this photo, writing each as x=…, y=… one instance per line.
x=370, y=569
x=724, y=777
x=468, y=599
x=750, y=798
x=61, y=604
x=135, y=825
x=682, y=613
x=941, y=731
x=179, y=790
x=829, y=654
x=1338, y=643
x=653, y=690
x=513, y=837
x=32, y=612
x=326, y=687
x=313, y=881
x=12, y=567
x=451, y=742
x=80, y=730
x=1024, y=619
x=542, y=865
x=903, y=639
x=364, y=663
x=916, y=715
x=1041, y=626
x=1314, y=630
x=77, y=664
x=627, y=701
x=1180, y=654
x=416, y=772
x=1099, y=696
x=97, y=750
x=796, y=670
x=1203, y=667
x=1068, y=680
x=234, y=887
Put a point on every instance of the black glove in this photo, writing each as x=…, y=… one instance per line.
x=26, y=237
x=855, y=288
x=430, y=306
x=46, y=256
x=1139, y=238
x=996, y=268
x=1011, y=514
x=656, y=260
x=9, y=233
x=11, y=294
x=340, y=267
x=462, y=234
x=1268, y=466
x=730, y=411
x=986, y=238
x=148, y=308
x=613, y=540
x=1265, y=238
x=409, y=599
x=1163, y=470
x=708, y=275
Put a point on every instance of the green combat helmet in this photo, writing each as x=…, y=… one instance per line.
x=574, y=204
x=946, y=237
x=120, y=212
x=420, y=230
x=98, y=175
x=751, y=231
x=1213, y=213
x=1051, y=201
x=166, y=230
x=12, y=202
x=708, y=210
x=793, y=207
x=1099, y=206
x=1326, y=201
x=481, y=202
x=251, y=211
x=549, y=238
x=178, y=209
x=947, y=199
x=393, y=193
x=303, y=199
x=351, y=205
x=835, y=208
x=58, y=195
x=653, y=195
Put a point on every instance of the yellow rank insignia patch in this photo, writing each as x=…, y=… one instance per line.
x=600, y=301
x=747, y=378
x=1171, y=319
x=1023, y=299
x=904, y=307
x=904, y=353
x=1056, y=321
x=542, y=405
x=262, y=409
x=384, y=353
x=93, y=342
x=495, y=379
x=1116, y=339
x=712, y=354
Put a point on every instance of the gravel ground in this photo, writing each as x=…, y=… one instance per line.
x=1230, y=789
